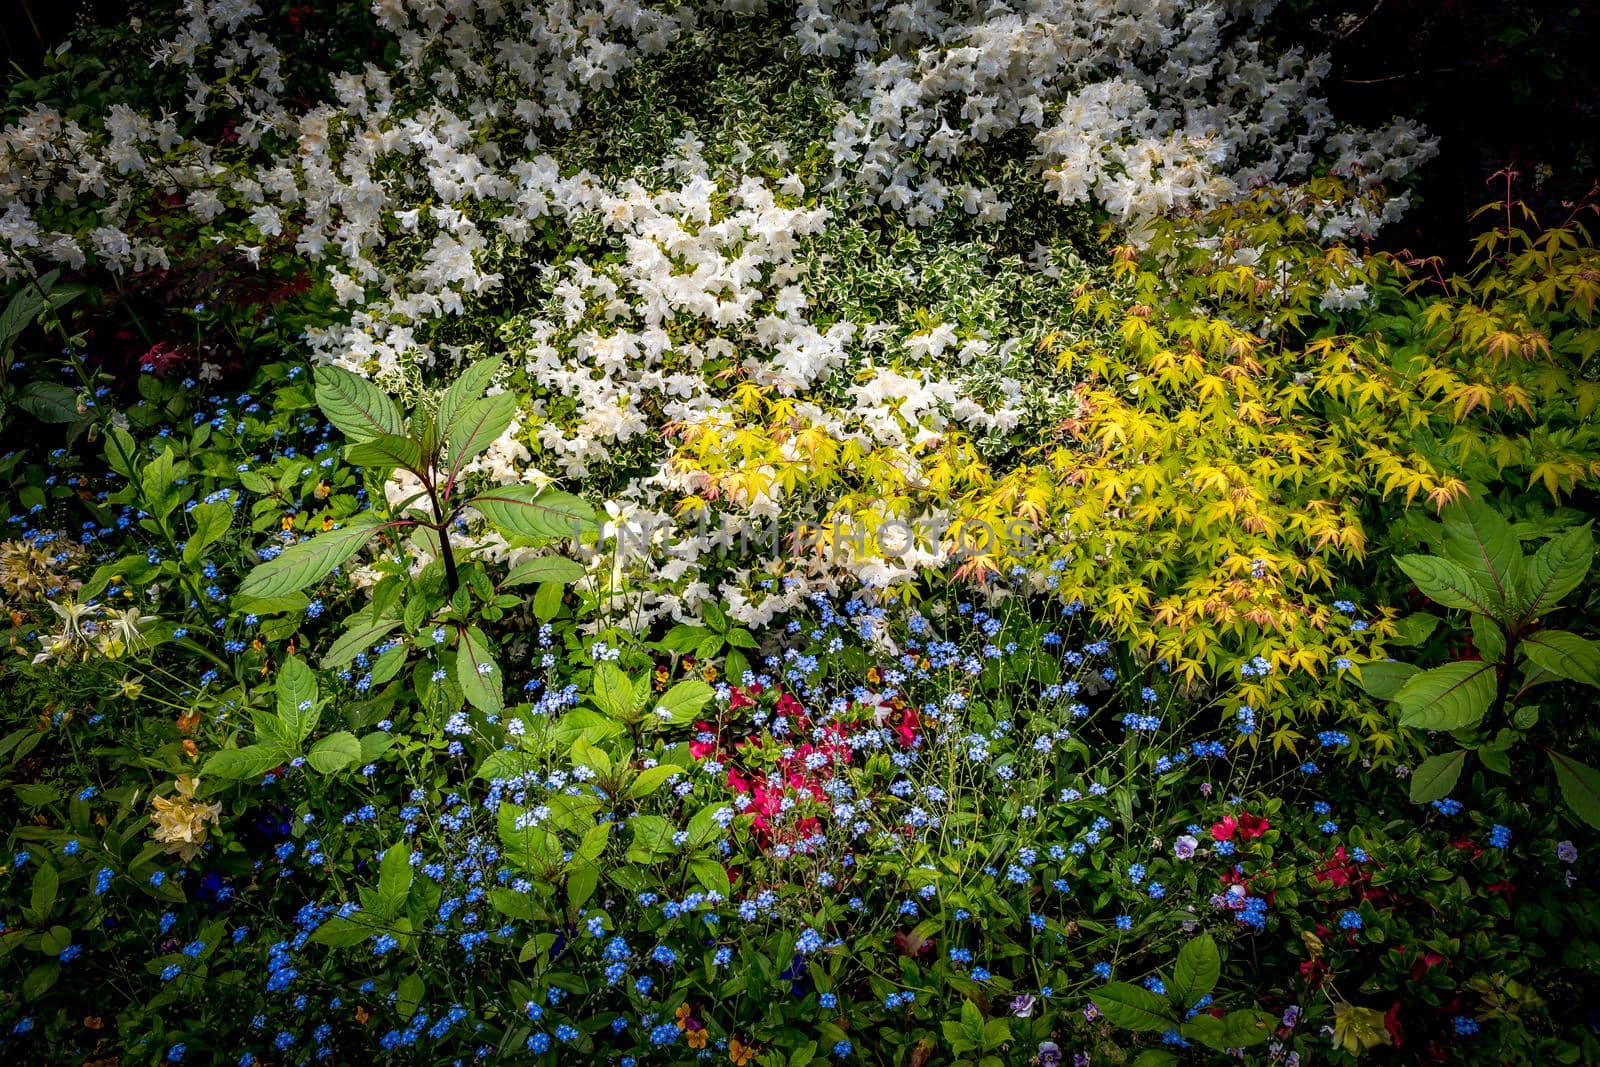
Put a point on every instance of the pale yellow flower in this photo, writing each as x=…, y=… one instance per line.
x=180, y=820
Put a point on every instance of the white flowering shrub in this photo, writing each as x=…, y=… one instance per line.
x=680, y=222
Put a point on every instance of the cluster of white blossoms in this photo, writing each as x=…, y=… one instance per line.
x=440, y=184
x=1143, y=106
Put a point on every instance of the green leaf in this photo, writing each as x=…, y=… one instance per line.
x=358, y=408
x=1157, y=1057
x=361, y=636
x=713, y=876
x=334, y=753
x=1206, y=1029
x=54, y=940
x=121, y=452
x=1448, y=697
x=1248, y=1026
x=1383, y=678
x=526, y=511
x=1197, y=970
x=1481, y=540
x=1487, y=637
x=238, y=764
x=46, y=883
x=394, y=879
x=1580, y=787
x=652, y=778
x=409, y=995
x=683, y=701
x=972, y=1023
x=211, y=521
x=338, y=932
x=308, y=562
x=1414, y=629
x=652, y=837
x=297, y=698
x=386, y=452
x=49, y=402
x=1436, y=776
x=1557, y=568
x=1132, y=1007
x=1446, y=583
x=547, y=600
x=467, y=388
x=544, y=569
x=614, y=693
x=39, y=980
x=375, y=744
x=477, y=427
x=477, y=672
x=1564, y=654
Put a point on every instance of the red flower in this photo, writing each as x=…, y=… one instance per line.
x=702, y=749
x=1425, y=963
x=1224, y=830
x=1391, y=1023
x=1253, y=826
x=907, y=730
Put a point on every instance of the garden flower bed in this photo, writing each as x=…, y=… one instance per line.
x=590, y=532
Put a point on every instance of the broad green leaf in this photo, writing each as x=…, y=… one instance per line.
x=1448, y=697
x=1132, y=1007
x=42, y=898
x=1436, y=776
x=1197, y=970
x=1564, y=654
x=1580, y=787
x=55, y=940
x=1248, y=1026
x=297, y=698
x=334, y=753
x=1448, y=584
x=1206, y=1029
x=652, y=778
x=121, y=452
x=544, y=569
x=1487, y=637
x=972, y=1023
x=409, y=995
x=467, y=388
x=1383, y=678
x=614, y=692
x=394, y=879
x=252, y=761
x=375, y=744
x=362, y=635
x=477, y=427
x=547, y=600
x=386, y=452
x=308, y=562
x=337, y=932
x=712, y=875
x=358, y=408
x=1481, y=540
x=49, y=402
x=477, y=672
x=652, y=838
x=526, y=511
x=211, y=521
x=1557, y=569
x=1158, y=1057
x=683, y=701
